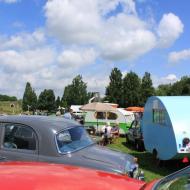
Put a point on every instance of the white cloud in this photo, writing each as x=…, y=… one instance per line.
x=124, y=73
x=81, y=23
x=10, y=1
x=169, y=30
x=26, y=61
x=73, y=21
x=84, y=32
x=97, y=83
x=23, y=40
x=120, y=36
x=175, y=57
x=170, y=78
x=128, y=46
x=76, y=58
x=106, y=6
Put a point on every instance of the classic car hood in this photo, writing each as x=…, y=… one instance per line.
x=43, y=176
x=103, y=158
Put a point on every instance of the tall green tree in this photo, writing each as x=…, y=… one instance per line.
x=46, y=100
x=147, y=88
x=114, y=90
x=7, y=98
x=75, y=93
x=29, y=98
x=131, y=89
x=163, y=90
x=58, y=102
x=181, y=87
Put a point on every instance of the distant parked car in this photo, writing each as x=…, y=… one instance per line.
x=134, y=135
x=57, y=140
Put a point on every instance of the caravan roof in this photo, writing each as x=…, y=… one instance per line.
x=124, y=112
x=76, y=108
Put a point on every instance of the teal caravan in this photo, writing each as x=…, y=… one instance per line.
x=166, y=127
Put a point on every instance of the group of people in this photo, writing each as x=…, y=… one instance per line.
x=109, y=133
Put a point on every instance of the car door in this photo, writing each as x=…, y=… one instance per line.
x=18, y=142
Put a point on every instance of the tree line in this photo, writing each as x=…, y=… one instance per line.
x=7, y=98
x=74, y=94
x=127, y=90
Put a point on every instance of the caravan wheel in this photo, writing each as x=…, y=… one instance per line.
x=154, y=152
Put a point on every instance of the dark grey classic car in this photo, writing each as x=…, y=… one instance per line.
x=57, y=140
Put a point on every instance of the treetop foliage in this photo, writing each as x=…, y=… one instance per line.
x=128, y=90
x=7, y=98
x=75, y=93
x=46, y=100
x=29, y=100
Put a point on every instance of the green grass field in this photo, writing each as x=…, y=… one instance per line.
x=5, y=107
x=146, y=161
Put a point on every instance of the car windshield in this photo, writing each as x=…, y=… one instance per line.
x=73, y=139
x=177, y=181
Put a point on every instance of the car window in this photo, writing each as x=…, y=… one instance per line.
x=111, y=116
x=159, y=116
x=19, y=137
x=73, y=139
x=179, y=180
x=100, y=115
x=180, y=183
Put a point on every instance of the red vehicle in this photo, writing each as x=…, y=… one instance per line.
x=44, y=176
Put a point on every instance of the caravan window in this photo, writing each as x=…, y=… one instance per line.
x=100, y=115
x=111, y=116
x=159, y=116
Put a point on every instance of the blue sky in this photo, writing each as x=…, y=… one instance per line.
x=49, y=42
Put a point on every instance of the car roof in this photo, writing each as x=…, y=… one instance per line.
x=43, y=176
x=39, y=122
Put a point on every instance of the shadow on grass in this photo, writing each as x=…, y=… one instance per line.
x=148, y=163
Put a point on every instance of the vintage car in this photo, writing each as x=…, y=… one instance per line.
x=44, y=176
x=57, y=140
x=134, y=135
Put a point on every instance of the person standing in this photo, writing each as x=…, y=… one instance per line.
x=69, y=115
x=106, y=133
x=115, y=131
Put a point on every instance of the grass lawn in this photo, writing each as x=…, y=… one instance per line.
x=5, y=107
x=146, y=161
